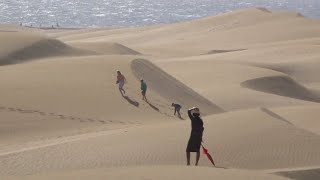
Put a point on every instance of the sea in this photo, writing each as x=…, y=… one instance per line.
x=124, y=13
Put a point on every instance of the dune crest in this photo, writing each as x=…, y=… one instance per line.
x=263, y=9
x=304, y=174
x=282, y=86
x=41, y=49
x=105, y=48
x=216, y=51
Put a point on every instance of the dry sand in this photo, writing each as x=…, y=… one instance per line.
x=253, y=73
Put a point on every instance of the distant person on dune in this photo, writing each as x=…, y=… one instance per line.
x=120, y=81
x=195, y=139
x=143, y=90
x=177, y=108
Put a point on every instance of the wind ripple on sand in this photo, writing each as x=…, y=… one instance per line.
x=155, y=173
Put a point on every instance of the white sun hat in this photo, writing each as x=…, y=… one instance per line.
x=195, y=110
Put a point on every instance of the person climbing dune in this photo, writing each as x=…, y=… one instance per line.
x=195, y=139
x=121, y=81
x=177, y=108
x=143, y=90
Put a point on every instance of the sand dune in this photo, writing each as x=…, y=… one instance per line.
x=79, y=89
x=14, y=40
x=105, y=48
x=302, y=116
x=236, y=140
x=236, y=30
x=306, y=174
x=170, y=88
x=41, y=49
x=304, y=70
x=223, y=51
x=222, y=85
x=157, y=173
x=254, y=73
x=21, y=46
x=282, y=86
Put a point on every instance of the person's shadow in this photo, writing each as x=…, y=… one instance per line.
x=153, y=107
x=131, y=101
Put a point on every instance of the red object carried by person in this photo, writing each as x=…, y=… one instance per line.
x=205, y=151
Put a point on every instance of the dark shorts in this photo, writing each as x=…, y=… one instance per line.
x=194, y=143
x=143, y=93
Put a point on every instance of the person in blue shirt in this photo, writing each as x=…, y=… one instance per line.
x=177, y=108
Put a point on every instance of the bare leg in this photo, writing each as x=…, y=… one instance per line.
x=188, y=158
x=121, y=91
x=179, y=114
x=144, y=97
x=197, y=158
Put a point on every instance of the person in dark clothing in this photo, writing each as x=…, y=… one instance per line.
x=195, y=139
x=177, y=108
x=143, y=90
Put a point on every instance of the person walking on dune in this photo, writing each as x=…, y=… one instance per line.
x=143, y=90
x=195, y=139
x=177, y=108
x=120, y=81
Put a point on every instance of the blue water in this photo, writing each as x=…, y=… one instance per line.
x=101, y=13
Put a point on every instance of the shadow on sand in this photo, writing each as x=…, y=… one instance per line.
x=131, y=101
x=153, y=107
x=274, y=115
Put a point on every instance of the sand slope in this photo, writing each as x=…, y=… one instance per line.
x=301, y=174
x=236, y=140
x=21, y=46
x=304, y=117
x=157, y=173
x=282, y=86
x=253, y=86
x=236, y=30
x=77, y=90
x=106, y=48
x=170, y=88
x=41, y=49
